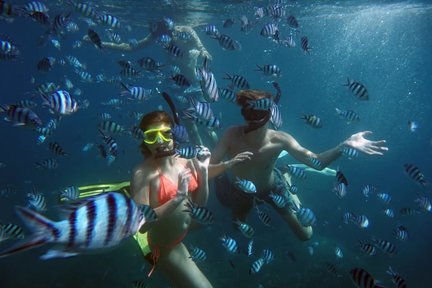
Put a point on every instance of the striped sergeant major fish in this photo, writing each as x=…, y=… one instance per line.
x=295, y=171
x=60, y=102
x=57, y=149
x=396, y=278
x=267, y=255
x=348, y=115
x=197, y=254
x=415, y=174
x=386, y=246
x=385, y=198
x=279, y=200
x=312, y=120
x=212, y=123
x=245, y=185
x=211, y=30
x=20, y=116
x=137, y=133
x=269, y=30
x=238, y=81
x=70, y=193
x=97, y=222
x=389, y=212
x=401, y=233
x=227, y=43
x=340, y=189
x=180, y=80
x=249, y=251
x=424, y=204
x=245, y=229
x=270, y=70
x=109, y=20
x=359, y=90
x=85, y=9
x=276, y=116
x=292, y=22
x=260, y=104
x=11, y=231
x=174, y=50
x=36, y=6
x=202, y=109
x=60, y=21
x=263, y=216
x=363, y=279
x=200, y=214
x=349, y=152
x=208, y=84
x=135, y=92
x=180, y=134
x=305, y=216
x=229, y=95
x=230, y=244
x=48, y=164
x=256, y=266
x=114, y=37
x=36, y=201
x=304, y=43
x=188, y=152
x=111, y=143
x=315, y=162
x=150, y=64
x=111, y=127
x=367, y=248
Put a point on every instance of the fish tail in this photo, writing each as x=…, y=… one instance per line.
x=21, y=246
x=259, y=68
x=228, y=77
x=36, y=222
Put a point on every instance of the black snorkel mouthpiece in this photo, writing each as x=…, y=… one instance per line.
x=161, y=152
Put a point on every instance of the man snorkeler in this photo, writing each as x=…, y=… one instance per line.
x=256, y=148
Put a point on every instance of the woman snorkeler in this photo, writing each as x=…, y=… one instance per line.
x=167, y=183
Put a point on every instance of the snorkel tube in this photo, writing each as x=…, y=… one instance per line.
x=163, y=151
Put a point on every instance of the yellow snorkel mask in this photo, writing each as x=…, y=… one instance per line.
x=151, y=136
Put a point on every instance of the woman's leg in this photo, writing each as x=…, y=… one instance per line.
x=180, y=270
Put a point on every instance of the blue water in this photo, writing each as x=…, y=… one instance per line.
x=385, y=45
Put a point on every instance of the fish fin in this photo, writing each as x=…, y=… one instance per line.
x=36, y=222
x=25, y=245
x=50, y=254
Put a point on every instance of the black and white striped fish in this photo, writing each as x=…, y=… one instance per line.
x=71, y=193
x=305, y=216
x=368, y=190
x=12, y=231
x=57, y=149
x=269, y=30
x=174, y=50
x=197, y=254
x=109, y=20
x=227, y=43
x=292, y=22
x=256, y=266
x=245, y=185
x=315, y=162
x=267, y=256
x=385, y=198
x=238, y=81
x=295, y=171
x=397, y=278
x=367, y=248
x=270, y=70
x=60, y=102
x=208, y=84
x=304, y=43
x=358, y=89
x=230, y=244
x=187, y=152
x=181, y=80
x=245, y=229
x=386, y=246
x=200, y=214
x=85, y=9
x=348, y=115
x=36, y=6
x=97, y=222
x=21, y=116
x=313, y=120
x=401, y=233
x=279, y=200
x=340, y=190
x=211, y=30
x=424, y=204
x=363, y=279
x=130, y=72
x=36, y=201
x=229, y=95
x=111, y=144
x=150, y=64
x=135, y=92
x=250, y=246
x=111, y=127
x=349, y=152
x=263, y=216
x=48, y=164
x=415, y=174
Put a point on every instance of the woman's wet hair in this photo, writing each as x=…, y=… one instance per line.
x=244, y=96
x=152, y=119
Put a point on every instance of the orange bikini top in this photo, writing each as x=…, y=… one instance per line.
x=168, y=189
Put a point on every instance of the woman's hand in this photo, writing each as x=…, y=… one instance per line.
x=183, y=183
x=243, y=156
x=358, y=142
x=205, y=54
